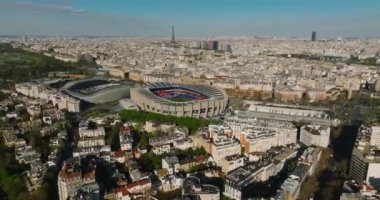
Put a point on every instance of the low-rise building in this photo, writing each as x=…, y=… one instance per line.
x=119, y=193
x=358, y=191
x=183, y=144
x=33, y=178
x=87, y=191
x=11, y=140
x=167, y=138
x=118, y=156
x=33, y=110
x=153, y=126
x=117, y=72
x=187, y=163
x=193, y=188
x=140, y=186
x=240, y=182
x=125, y=138
x=236, y=183
x=90, y=140
x=161, y=149
x=171, y=164
x=171, y=182
x=230, y=163
x=26, y=154
x=73, y=176
x=290, y=189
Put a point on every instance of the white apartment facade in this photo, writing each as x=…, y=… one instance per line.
x=221, y=148
x=375, y=136
x=315, y=135
x=161, y=149
x=37, y=90
x=230, y=163
x=90, y=141
x=261, y=139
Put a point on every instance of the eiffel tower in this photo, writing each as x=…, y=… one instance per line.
x=173, y=38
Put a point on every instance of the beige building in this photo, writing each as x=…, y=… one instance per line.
x=375, y=136
x=223, y=147
x=117, y=72
x=315, y=135
x=71, y=178
x=230, y=163
x=136, y=76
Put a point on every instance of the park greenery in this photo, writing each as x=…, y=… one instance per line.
x=10, y=180
x=366, y=61
x=11, y=184
x=193, y=124
x=3, y=96
x=20, y=65
x=312, y=183
x=150, y=161
x=112, y=136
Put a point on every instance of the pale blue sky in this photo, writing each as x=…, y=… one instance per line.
x=330, y=18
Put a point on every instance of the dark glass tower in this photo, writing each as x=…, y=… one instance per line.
x=314, y=36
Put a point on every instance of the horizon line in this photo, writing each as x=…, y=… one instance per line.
x=187, y=37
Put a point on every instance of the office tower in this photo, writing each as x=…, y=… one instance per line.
x=25, y=38
x=349, y=95
x=314, y=36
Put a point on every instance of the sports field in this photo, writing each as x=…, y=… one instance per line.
x=179, y=94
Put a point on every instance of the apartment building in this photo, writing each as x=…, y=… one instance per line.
x=365, y=159
x=230, y=163
x=223, y=146
x=171, y=164
x=261, y=139
x=72, y=176
x=90, y=140
x=315, y=135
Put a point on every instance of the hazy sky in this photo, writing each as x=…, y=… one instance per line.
x=330, y=18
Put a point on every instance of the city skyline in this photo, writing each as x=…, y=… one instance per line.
x=151, y=18
x=143, y=99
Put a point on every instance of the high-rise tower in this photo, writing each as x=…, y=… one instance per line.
x=173, y=38
x=313, y=36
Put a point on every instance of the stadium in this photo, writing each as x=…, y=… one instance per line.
x=98, y=90
x=181, y=100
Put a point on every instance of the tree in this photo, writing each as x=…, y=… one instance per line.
x=3, y=96
x=305, y=98
x=309, y=188
x=242, y=150
x=327, y=193
x=86, y=59
x=193, y=124
x=150, y=161
x=336, y=132
x=210, y=164
x=112, y=137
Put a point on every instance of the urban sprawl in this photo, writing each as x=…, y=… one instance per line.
x=206, y=119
